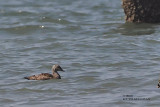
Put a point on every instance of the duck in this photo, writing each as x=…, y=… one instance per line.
x=47, y=76
x=158, y=86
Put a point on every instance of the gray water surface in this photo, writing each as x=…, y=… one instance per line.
x=105, y=58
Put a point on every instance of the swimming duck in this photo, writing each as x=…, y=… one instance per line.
x=47, y=76
x=158, y=86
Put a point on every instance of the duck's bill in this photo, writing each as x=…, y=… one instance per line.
x=62, y=70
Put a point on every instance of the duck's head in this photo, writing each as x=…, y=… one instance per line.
x=56, y=67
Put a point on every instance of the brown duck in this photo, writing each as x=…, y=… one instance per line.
x=158, y=86
x=47, y=76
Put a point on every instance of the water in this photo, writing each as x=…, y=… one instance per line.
x=105, y=58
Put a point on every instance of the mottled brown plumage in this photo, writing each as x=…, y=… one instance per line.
x=158, y=86
x=46, y=76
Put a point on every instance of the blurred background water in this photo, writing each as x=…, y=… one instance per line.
x=105, y=58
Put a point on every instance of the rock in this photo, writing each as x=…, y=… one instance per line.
x=147, y=11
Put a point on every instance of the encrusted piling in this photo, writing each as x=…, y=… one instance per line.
x=145, y=11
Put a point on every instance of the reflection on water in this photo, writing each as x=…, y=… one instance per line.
x=132, y=29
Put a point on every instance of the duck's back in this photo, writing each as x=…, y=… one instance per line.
x=42, y=76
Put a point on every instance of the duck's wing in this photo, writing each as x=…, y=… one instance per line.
x=42, y=76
